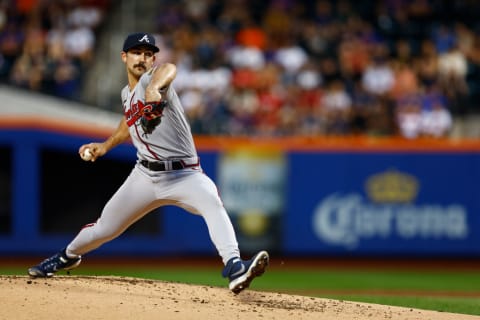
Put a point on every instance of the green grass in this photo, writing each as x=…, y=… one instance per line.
x=441, y=291
x=444, y=304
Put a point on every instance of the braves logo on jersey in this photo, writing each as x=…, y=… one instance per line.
x=149, y=114
x=139, y=109
x=135, y=112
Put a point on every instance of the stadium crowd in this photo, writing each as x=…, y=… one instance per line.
x=47, y=46
x=280, y=67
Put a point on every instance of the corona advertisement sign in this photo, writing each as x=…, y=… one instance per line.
x=383, y=204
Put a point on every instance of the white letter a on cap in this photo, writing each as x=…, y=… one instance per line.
x=144, y=38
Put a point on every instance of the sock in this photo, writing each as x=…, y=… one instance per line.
x=70, y=255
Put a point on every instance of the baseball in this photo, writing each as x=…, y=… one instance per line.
x=87, y=155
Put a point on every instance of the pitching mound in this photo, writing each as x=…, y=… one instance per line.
x=79, y=297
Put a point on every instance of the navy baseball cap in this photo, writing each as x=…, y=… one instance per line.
x=140, y=39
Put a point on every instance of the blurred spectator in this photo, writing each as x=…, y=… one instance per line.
x=405, y=80
x=378, y=78
x=11, y=45
x=79, y=42
x=436, y=118
x=27, y=73
x=443, y=38
x=452, y=78
x=291, y=57
x=409, y=116
x=3, y=14
x=369, y=114
x=353, y=55
x=271, y=100
x=65, y=79
x=243, y=104
x=251, y=35
x=426, y=64
x=465, y=39
x=403, y=51
x=336, y=105
x=87, y=15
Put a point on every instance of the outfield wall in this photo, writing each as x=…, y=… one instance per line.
x=320, y=196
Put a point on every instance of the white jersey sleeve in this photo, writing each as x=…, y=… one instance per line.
x=172, y=138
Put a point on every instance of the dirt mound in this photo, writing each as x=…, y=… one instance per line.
x=82, y=297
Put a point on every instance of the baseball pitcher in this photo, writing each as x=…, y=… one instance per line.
x=167, y=171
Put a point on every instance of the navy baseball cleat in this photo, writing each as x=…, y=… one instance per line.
x=55, y=263
x=241, y=273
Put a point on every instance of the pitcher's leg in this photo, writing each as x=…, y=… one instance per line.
x=133, y=200
x=220, y=229
x=198, y=192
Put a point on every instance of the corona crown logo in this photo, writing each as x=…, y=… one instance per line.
x=392, y=187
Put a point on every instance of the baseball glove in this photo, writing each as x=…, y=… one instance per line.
x=152, y=115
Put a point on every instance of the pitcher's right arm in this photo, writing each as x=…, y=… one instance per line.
x=98, y=149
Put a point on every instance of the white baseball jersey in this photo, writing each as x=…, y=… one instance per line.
x=171, y=139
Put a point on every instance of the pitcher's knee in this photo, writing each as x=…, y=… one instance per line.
x=104, y=233
x=212, y=197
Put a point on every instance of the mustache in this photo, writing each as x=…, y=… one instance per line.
x=141, y=65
